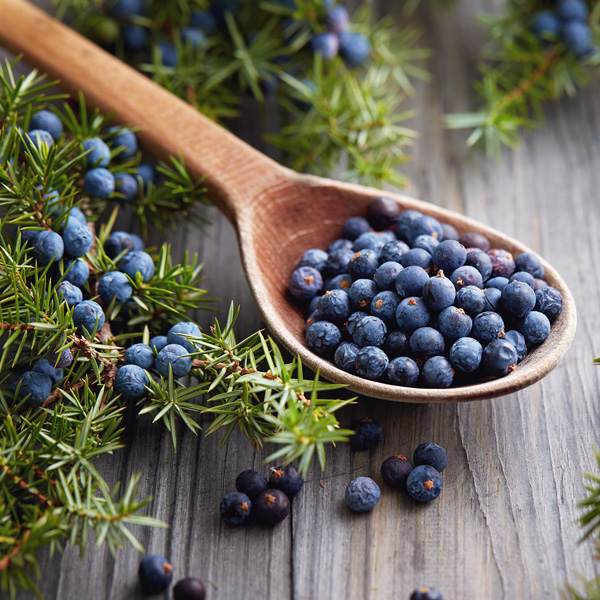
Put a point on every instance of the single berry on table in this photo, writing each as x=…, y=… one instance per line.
x=155, y=574
x=426, y=593
x=395, y=471
x=362, y=494
x=432, y=454
x=424, y=484
x=271, y=507
x=368, y=434
x=189, y=589
x=287, y=479
x=235, y=508
x=250, y=482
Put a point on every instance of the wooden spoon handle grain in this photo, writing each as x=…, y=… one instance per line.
x=170, y=127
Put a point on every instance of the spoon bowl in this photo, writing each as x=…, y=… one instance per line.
x=277, y=213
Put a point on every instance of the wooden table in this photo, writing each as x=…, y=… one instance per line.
x=504, y=525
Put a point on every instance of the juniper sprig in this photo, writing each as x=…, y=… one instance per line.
x=330, y=110
x=520, y=71
x=51, y=494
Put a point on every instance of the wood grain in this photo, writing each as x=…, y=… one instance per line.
x=277, y=213
x=504, y=525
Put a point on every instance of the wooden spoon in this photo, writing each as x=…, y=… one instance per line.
x=278, y=214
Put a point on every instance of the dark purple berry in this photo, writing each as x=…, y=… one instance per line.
x=395, y=471
x=368, y=434
x=271, y=507
x=287, y=479
x=189, y=589
x=251, y=483
x=382, y=212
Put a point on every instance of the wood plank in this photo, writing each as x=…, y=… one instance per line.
x=504, y=525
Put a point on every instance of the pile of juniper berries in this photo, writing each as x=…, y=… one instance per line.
x=405, y=299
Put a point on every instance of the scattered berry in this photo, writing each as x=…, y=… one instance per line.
x=189, y=589
x=395, y=471
x=155, y=574
x=271, y=507
x=235, y=508
x=368, y=434
x=424, y=484
x=362, y=494
x=251, y=483
x=432, y=454
x=287, y=479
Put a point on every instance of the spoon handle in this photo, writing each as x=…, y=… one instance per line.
x=169, y=126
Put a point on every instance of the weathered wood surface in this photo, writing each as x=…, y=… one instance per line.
x=504, y=525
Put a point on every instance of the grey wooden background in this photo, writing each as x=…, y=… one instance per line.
x=504, y=527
